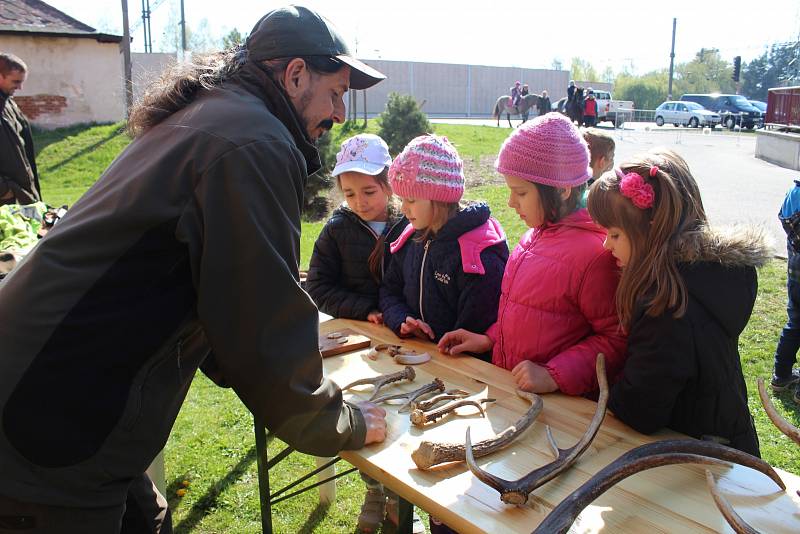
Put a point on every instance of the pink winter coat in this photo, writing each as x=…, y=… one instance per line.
x=557, y=305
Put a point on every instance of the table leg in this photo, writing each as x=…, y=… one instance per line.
x=405, y=523
x=263, y=477
x=327, y=491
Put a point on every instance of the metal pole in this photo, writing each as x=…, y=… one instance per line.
x=183, y=29
x=126, y=55
x=671, y=59
x=365, y=107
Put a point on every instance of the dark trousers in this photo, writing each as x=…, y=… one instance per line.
x=589, y=120
x=144, y=512
x=786, y=352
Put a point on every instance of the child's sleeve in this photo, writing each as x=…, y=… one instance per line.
x=660, y=361
x=574, y=368
x=392, y=301
x=323, y=283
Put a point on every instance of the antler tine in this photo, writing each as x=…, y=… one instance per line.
x=517, y=491
x=645, y=457
x=420, y=417
x=430, y=453
x=783, y=425
x=736, y=522
x=410, y=396
x=381, y=380
x=484, y=476
x=450, y=394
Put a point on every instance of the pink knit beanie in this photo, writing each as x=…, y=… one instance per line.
x=428, y=168
x=548, y=150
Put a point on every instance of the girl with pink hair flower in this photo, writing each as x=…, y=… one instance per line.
x=685, y=295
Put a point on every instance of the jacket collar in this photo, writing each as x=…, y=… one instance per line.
x=257, y=80
x=4, y=98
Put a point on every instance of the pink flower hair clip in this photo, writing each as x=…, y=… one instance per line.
x=633, y=186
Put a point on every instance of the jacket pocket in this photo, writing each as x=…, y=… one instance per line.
x=156, y=369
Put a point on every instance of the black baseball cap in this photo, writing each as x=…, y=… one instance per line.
x=298, y=31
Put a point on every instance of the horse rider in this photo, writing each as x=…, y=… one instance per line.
x=516, y=93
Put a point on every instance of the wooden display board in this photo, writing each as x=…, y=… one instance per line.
x=341, y=341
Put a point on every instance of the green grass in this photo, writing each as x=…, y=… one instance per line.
x=212, y=444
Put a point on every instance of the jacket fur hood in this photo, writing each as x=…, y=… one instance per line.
x=737, y=246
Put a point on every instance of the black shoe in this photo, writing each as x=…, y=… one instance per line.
x=781, y=383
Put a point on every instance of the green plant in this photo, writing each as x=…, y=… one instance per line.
x=402, y=121
x=315, y=201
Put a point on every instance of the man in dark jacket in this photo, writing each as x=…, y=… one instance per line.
x=19, y=181
x=184, y=252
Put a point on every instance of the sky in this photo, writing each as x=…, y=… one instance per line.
x=622, y=34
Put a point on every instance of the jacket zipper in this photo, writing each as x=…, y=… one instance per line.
x=421, y=276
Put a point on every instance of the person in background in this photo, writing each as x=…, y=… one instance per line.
x=601, y=149
x=544, y=104
x=516, y=93
x=590, y=109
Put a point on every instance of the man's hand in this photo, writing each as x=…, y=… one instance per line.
x=375, y=417
x=533, y=377
x=461, y=340
x=375, y=317
x=416, y=327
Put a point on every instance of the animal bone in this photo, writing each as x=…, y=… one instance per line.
x=429, y=453
x=400, y=354
x=648, y=456
x=381, y=380
x=450, y=394
x=421, y=418
x=783, y=425
x=412, y=359
x=734, y=520
x=517, y=491
x=410, y=397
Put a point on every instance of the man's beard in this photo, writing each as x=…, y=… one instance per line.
x=305, y=100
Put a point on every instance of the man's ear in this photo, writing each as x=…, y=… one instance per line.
x=296, y=77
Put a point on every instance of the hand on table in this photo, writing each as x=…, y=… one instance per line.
x=533, y=377
x=461, y=340
x=375, y=317
x=416, y=327
x=375, y=418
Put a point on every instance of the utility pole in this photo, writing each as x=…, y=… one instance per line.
x=183, y=30
x=126, y=54
x=148, y=40
x=671, y=59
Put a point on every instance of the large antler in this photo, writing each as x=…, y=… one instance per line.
x=381, y=380
x=429, y=453
x=782, y=424
x=641, y=458
x=517, y=491
x=411, y=396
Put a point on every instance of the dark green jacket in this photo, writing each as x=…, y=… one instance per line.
x=187, y=246
x=17, y=158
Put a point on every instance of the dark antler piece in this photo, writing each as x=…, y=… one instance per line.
x=450, y=394
x=420, y=418
x=782, y=424
x=734, y=520
x=517, y=491
x=381, y=380
x=429, y=453
x=411, y=396
x=668, y=452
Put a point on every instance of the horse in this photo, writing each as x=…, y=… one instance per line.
x=503, y=105
x=574, y=107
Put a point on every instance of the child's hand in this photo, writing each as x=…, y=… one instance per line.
x=415, y=327
x=375, y=317
x=533, y=377
x=461, y=340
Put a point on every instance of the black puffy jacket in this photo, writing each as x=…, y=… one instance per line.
x=339, y=279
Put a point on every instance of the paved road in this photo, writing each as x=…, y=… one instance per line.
x=736, y=186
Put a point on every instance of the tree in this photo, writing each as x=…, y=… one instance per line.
x=232, y=39
x=315, y=201
x=706, y=73
x=646, y=92
x=402, y=121
x=777, y=67
x=583, y=70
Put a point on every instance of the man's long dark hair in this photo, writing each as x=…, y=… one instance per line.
x=181, y=83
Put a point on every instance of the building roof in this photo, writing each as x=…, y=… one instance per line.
x=35, y=17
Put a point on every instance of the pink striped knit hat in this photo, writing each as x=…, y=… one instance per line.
x=428, y=168
x=548, y=150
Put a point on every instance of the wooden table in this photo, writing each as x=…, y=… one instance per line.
x=665, y=499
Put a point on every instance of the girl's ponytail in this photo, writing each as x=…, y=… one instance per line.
x=375, y=260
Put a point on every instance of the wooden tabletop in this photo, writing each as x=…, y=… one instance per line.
x=666, y=499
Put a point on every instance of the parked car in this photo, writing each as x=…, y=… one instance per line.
x=761, y=106
x=685, y=113
x=733, y=109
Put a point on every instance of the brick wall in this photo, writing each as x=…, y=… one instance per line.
x=37, y=106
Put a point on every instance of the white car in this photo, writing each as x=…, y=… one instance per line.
x=686, y=113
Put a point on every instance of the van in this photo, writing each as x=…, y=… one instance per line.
x=733, y=109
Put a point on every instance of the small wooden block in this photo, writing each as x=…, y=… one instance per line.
x=332, y=347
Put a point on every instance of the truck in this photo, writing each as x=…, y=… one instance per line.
x=612, y=110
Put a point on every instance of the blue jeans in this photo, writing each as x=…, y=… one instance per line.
x=786, y=352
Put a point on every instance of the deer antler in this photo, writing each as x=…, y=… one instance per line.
x=381, y=380
x=734, y=520
x=421, y=418
x=450, y=394
x=411, y=396
x=782, y=424
x=645, y=457
x=517, y=491
x=429, y=453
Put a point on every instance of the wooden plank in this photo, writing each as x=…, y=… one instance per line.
x=666, y=499
x=341, y=341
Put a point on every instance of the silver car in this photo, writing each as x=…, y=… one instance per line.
x=686, y=114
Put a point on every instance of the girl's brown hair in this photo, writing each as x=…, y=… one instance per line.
x=656, y=234
x=442, y=211
x=556, y=208
x=375, y=260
